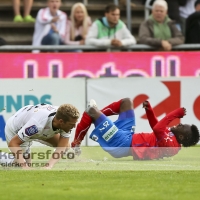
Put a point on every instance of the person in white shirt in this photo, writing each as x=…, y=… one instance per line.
x=50, y=25
x=78, y=25
x=44, y=123
x=110, y=30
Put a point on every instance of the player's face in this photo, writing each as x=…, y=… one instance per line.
x=54, y=5
x=159, y=13
x=181, y=128
x=69, y=125
x=113, y=17
x=79, y=14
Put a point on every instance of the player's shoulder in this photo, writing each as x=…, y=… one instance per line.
x=44, y=111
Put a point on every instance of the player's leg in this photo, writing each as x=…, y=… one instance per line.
x=118, y=142
x=126, y=119
x=117, y=107
x=8, y=159
x=86, y=121
x=9, y=133
x=83, y=126
x=126, y=104
x=107, y=134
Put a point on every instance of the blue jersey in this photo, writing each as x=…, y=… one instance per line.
x=115, y=137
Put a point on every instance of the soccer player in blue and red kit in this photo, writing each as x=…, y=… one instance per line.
x=119, y=140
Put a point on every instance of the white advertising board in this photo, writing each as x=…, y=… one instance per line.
x=164, y=94
x=17, y=93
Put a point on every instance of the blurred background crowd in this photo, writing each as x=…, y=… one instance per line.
x=99, y=23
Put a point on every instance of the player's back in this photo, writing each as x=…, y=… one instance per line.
x=143, y=140
x=38, y=112
x=146, y=146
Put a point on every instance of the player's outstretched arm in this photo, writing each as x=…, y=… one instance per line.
x=150, y=114
x=160, y=127
x=63, y=144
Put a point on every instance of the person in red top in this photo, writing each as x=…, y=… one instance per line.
x=162, y=142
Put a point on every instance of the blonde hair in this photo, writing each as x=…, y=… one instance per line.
x=67, y=111
x=85, y=20
x=162, y=3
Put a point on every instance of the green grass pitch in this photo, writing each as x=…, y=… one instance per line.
x=96, y=175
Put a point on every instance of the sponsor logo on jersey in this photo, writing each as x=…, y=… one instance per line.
x=105, y=125
x=32, y=130
x=95, y=138
x=50, y=108
x=168, y=136
x=110, y=133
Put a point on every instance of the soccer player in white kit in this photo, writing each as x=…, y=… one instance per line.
x=44, y=123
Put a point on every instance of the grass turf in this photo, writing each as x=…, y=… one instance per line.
x=99, y=185
x=96, y=175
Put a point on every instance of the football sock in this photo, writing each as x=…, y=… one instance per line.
x=112, y=109
x=82, y=128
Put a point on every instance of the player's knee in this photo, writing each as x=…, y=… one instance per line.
x=92, y=111
x=126, y=104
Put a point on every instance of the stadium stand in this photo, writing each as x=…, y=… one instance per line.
x=21, y=33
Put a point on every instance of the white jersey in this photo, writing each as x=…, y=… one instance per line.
x=35, y=123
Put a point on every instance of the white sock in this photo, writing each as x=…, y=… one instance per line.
x=6, y=159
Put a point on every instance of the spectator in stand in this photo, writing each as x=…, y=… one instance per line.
x=110, y=30
x=50, y=25
x=27, y=10
x=77, y=25
x=185, y=10
x=173, y=10
x=193, y=26
x=159, y=30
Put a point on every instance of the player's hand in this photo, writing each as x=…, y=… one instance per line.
x=25, y=166
x=145, y=104
x=46, y=167
x=184, y=109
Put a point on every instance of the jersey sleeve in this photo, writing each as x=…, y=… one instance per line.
x=160, y=127
x=151, y=116
x=31, y=128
